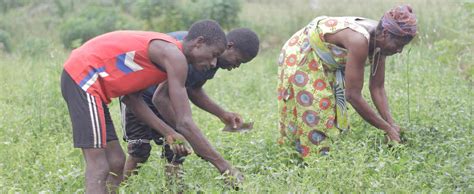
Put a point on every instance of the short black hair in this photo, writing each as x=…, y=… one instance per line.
x=245, y=41
x=210, y=30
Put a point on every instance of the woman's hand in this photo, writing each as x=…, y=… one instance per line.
x=393, y=133
x=396, y=127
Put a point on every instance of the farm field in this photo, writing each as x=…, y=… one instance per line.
x=429, y=86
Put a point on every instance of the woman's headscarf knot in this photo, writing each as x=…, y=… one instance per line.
x=400, y=21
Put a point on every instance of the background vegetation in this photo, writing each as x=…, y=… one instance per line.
x=430, y=90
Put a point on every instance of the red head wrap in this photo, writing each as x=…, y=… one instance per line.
x=400, y=21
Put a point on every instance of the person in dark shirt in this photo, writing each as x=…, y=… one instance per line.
x=242, y=47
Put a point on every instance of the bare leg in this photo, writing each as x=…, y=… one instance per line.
x=131, y=165
x=116, y=160
x=97, y=169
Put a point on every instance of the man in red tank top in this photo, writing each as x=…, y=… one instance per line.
x=123, y=63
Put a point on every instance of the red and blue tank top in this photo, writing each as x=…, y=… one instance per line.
x=116, y=63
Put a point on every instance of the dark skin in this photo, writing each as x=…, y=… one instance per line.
x=354, y=73
x=99, y=162
x=175, y=65
x=170, y=59
x=104, y=167
x=229, y=60
x=176, y=68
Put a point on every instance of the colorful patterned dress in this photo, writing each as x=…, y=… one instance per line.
x=311, y=102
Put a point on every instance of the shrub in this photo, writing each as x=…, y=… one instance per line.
x=169, y=15
x=151, y=10
x=5, y=41
x=6, y=5
x=91, y=22
x=225, y=12
x=34, y=47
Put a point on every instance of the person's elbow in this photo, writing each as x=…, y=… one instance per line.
x=352, y=96
x=130, y=99
x=185, y=125
x=375, y=87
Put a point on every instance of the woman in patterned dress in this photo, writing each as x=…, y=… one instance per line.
x=321, y=67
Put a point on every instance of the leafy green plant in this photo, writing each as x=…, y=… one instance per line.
x=427, y=96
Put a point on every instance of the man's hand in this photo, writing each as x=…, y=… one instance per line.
x=232, y=119
x=233, y=178
x=178, y=144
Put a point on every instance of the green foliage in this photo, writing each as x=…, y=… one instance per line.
x=151, y=10
x=34, y=47
x=170, y=15
x=36, y=135
x=92, y=22
x=427, y=95
x=226, y=12
x=63, y=6
x=6, y=5
x=5, y=41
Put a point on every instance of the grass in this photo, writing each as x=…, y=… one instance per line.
x=429, y=89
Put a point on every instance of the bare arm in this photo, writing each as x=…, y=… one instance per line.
x=140, y=109
x=161, y=100
x=175, y=64
x=377, y=91
x=198, y=96
x=354, y=81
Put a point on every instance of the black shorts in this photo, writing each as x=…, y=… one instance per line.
x=136, y=130
x=139, y=135
x=142, y=149
x=92, y=125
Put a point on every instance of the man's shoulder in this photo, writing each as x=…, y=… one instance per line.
x=178, y=35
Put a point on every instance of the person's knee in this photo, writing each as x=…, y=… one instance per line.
x=96, y=162
x=115, y=157
x=138, y=160
x=116, y=163
x=139, y=152
x=97, y=170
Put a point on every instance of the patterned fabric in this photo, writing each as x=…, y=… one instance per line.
x=311, y=102
x=400, y=21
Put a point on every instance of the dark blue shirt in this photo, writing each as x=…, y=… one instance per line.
x=194, y=76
